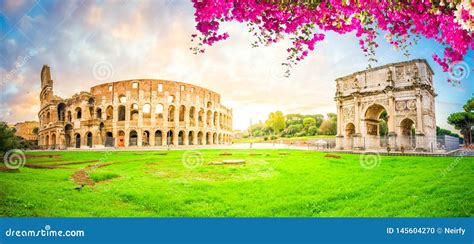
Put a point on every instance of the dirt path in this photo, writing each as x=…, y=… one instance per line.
x=81, y=177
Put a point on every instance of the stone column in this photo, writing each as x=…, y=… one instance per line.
x=186, y=138
x=126, y=138
x=392, y=135
x=339, y=136
x=358, y=138
x=139, y=137
x=151, y=138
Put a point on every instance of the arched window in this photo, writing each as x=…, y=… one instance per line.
x=171, y=113
x=146, y=110
x=110, y=112
x=159, y=110
x=171, y=99
x=134, y=112
x=98, y=113
x=122, y=99
x=121, y=113
x=182, y=109
x=78, y=113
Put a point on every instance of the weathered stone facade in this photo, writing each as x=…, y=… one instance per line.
x=25, y=130
x=404, y=90
x=132, y=113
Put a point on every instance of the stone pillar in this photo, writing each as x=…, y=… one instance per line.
x=186, y=138
x=164, y=137
x=126, y=138
x=195, y=138
x=139, y=137
x=419, y=113
x=151, y=138
x=175, y=137
x=392, y=135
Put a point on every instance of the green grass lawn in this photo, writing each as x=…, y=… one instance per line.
x=284, y=139
x=270, y=184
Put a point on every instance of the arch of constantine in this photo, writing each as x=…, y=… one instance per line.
x=401, y=94
x=132, y=113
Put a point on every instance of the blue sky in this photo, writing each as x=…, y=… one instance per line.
x=151, y=39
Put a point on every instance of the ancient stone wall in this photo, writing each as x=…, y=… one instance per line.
x=131, y=113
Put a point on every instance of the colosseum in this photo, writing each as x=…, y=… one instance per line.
x=132, y=113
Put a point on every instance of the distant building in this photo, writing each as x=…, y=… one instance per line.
x=26, y=130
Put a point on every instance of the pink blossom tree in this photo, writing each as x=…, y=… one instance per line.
x=449, y=22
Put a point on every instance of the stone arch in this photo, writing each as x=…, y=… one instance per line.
x=91, y=101
x=145, y=138
x=89, y=139
x=146, y=109
x=109, y=111
x=61, y=112
x=134, y=112
x=208, y=118
x=201, y=116
x=158, y=138
x=192, y=116
x=46, y=141
x=133, y=139
x=53, y=141
x=372, y=118
x=220, y=139
x=191, y=137
x=109, y=139
x=98, y=113
x=122, y=98
x=182, y=110
x=349, y=129
x=200, y=138
x=77, y=138
x=208, y=138
x=171, y=111
x=121, y=113
x=181, y=137
x=68, y=134
x=48, y=117
x=214, y=138
x=159, y=111
x=69, y=116
x=169, y=137
x=78, y=113
x=216, y=118
x=121, y=138
x=407, y=126
x=407, y=135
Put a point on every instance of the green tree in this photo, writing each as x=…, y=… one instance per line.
x=276, y=121
x=36, y=130
x=312, y=130
x=442, y=132
x=319, y=119
x=8, y=139
x=463, y=121
x=469, y=106
x=309, y=121
x=293, y=129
